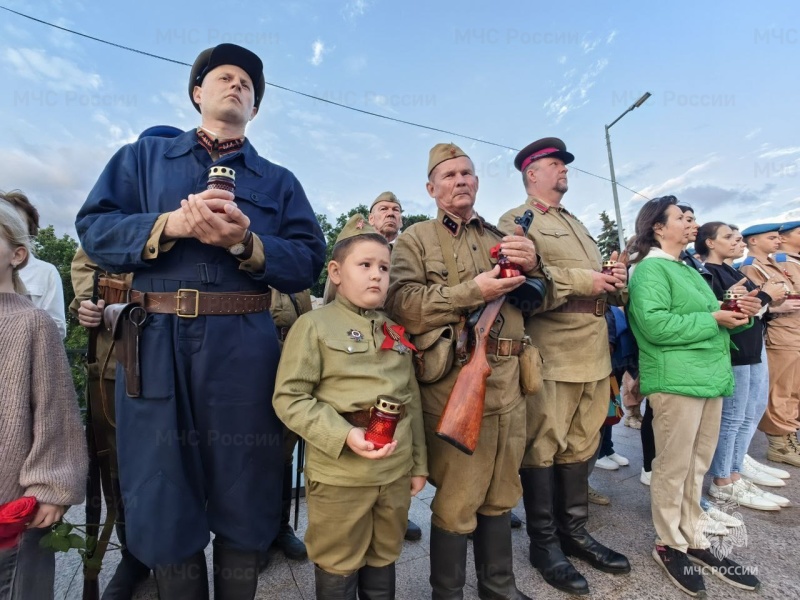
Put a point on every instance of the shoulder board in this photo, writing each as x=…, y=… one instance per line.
x=748, y=261
x=780, y=257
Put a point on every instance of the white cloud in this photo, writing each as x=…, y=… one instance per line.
x=53, y=71
x=574, y=94
x=753, y=133
x=318, y=51
x=780, y=152
x=611, y=36
x=356, y=8
x=562, y=59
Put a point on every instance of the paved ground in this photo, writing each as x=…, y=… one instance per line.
x=773, y=547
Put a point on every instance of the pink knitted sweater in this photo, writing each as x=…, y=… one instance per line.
x=42, y=445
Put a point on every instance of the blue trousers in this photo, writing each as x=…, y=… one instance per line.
x=201, y=449
x=27, y=571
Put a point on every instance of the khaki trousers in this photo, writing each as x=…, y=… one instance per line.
x=686, y=431
x=564, y=421
x=781, y=415
x=486, y=482
x=349, y=527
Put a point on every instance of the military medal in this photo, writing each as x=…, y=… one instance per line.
x=355, y=335
x=395, y=339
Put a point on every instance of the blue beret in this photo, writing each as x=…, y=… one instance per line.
x=761, y=228
x=165, y=131
x=789, y=226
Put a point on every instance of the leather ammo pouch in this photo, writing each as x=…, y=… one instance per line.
x=125, y=321
x=530, y=369
x=435, y=351
x=113, y=290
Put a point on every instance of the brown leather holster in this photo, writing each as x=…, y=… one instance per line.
x=125, y=321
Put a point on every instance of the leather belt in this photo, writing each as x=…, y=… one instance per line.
x=360, y=418
x=504, y=347
x=189, y=303
x=591, y=306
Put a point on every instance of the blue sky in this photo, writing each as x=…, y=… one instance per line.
x=720, y=130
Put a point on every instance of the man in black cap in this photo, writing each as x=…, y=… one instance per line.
x=200, y=447
x=565, y=417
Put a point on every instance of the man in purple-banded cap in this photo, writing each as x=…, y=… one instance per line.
x=565, y=417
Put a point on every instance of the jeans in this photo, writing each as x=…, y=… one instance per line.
x=648, y=441
x=606, y=443
x=740, y=415
x=27, y=572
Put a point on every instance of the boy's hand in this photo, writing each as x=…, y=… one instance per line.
x=356, y=442
x=417, y=483
x=46, y=515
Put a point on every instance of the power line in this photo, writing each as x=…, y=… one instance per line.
x=299, y=93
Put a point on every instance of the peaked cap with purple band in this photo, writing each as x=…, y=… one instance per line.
x=541, y=149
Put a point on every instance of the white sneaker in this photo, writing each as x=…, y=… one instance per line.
x=606, y=463
x=619, y=459
x=753, y=489
x=712, y=527
x=760, y=477
x=754, y=464
x=742, y=495
x=723, y=517
x=645, y=476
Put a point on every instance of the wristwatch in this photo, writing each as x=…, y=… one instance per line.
x=238, y=249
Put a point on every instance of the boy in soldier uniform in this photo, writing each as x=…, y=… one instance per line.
x=336, y=360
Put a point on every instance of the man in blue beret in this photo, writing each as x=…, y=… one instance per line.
x=782, y=340
x=200, y=447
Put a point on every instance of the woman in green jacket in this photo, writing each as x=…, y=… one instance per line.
x=685, y=367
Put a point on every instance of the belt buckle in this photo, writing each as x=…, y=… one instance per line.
x=599, y=307
x=510, y=347
x=178, y=299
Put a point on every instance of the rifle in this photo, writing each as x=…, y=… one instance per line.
x=460, y=423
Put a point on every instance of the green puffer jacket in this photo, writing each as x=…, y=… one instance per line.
x=682, y=349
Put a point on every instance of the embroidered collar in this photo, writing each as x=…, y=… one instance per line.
x=221, y=148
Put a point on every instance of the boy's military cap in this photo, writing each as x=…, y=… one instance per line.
x=788, y=226
x=357, y=225
x=385, y=197
x=228, y=54
x=761, y=228
x=442, y=152
x=540, y=149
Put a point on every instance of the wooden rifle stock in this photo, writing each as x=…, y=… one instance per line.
x=460, y=423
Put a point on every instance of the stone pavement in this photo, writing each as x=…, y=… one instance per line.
x=773, y=547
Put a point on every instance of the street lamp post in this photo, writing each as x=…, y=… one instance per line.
x=620, y=232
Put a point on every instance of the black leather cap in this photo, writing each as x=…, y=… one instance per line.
x=228, y=54
x=540, y=149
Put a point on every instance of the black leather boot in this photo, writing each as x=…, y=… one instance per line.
x=538, y=488
x=335, y=587
x=235, y=572
x=494, y=563
x=448, y=564
x=131, y=572
x=572, y=513
x=516, y=523
x=413, y=532
x=291, y=546
x=376, y=583
x=183, y=581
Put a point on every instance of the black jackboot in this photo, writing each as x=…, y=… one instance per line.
x=183, y=581
x=131, y=572
x=493, y=559
x=235, y=572
x=538, y=488
x=335, y=587
x=572, y=513
x=448, y=564
x=376, y=583
x=292, y=547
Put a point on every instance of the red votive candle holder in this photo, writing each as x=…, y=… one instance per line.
x=383, y=420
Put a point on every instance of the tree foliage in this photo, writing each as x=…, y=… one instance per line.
x=608, y=240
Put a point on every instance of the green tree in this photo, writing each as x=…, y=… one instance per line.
x=59, y=252
x=608, y=240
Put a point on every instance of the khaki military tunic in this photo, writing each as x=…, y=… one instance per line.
x=565, y=417
x=421, y=298
x=332, y=363
x=782, y=340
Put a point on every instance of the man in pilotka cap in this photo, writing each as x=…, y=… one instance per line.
x=442, y=271
x=565, y=417
x=386, y=216
x=200, y=447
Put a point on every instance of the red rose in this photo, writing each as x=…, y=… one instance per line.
x=14, y=518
